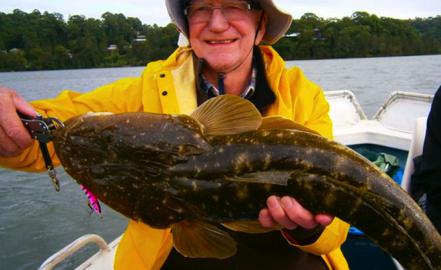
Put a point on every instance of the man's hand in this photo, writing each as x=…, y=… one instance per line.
x=14, y=137
x=289, y=214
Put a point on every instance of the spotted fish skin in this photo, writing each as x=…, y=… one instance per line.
x=325, y=177
x=99, y=153
x=163, y=169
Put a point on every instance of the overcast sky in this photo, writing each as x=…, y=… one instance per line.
x=153, y=11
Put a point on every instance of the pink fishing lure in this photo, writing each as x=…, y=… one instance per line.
x=93, y=202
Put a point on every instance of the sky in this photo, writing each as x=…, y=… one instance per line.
x=154, y=11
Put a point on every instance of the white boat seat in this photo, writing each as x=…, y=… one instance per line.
x=415, y=149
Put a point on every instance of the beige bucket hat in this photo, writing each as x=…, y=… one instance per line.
x=277, y=24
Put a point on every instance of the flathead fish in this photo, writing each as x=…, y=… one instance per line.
x=220, y=164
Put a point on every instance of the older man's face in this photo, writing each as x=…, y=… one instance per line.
x=223, y=37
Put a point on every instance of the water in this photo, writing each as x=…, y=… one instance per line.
x=373, y=79
x=36, y=221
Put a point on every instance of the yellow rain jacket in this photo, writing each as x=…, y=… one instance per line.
x=169, y=87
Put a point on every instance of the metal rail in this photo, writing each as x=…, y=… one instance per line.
x=396, y=96
x=72, y=248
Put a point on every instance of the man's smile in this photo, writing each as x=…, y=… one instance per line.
x=221, y=41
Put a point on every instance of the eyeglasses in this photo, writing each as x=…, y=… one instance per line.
x=232, y=10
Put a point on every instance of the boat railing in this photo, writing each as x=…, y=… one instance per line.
x=345, y=110
x=395, y=112
x=72, y=248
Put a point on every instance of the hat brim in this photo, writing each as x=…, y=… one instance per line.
x=278, y=21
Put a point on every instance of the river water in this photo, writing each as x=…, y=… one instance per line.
x=36, y=221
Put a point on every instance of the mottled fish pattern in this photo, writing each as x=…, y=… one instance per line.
x=220, y=164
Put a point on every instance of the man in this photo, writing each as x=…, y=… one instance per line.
x=426, y=180
x=223, y=57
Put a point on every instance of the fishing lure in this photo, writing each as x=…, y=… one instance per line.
x=92, y=202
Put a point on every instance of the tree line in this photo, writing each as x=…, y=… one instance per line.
x=360, y=35
x=37, y=41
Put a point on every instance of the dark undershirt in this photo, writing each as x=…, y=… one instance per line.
x=262, y=98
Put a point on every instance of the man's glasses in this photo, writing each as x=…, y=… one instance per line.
x=199, y=12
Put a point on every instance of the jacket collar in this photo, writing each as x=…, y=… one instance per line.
x=258, y=92
x=270, y=71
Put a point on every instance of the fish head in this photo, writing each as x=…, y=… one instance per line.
x=152, y=140
x=170, y=136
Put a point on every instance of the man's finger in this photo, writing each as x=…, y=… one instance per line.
x=278, y=213
x=324, y=219
x=265, y=219
x=297, y=213
x=10, y=123
x=8, y=148
x=22, y=106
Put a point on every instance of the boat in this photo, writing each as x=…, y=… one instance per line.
x=396, y=130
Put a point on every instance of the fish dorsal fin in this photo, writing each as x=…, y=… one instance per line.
x=197, y=239
x=248, y=227
x=278, y=122
x=227, y=114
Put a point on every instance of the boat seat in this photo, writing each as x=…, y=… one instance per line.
x=415, y=149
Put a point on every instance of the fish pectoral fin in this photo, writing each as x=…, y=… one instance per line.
x=279, y=122
x=226, y=115
x=248, y=227
x=263, y=177
x=197, y=239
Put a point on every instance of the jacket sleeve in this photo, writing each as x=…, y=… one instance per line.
x=332, y=237
x=319, y=119
x=121, y=96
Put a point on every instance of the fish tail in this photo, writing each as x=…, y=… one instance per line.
x=412, y=241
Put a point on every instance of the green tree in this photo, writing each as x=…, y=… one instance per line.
x=14, y=60
x=61, y=57
x=86, y=41
x=38, y=40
